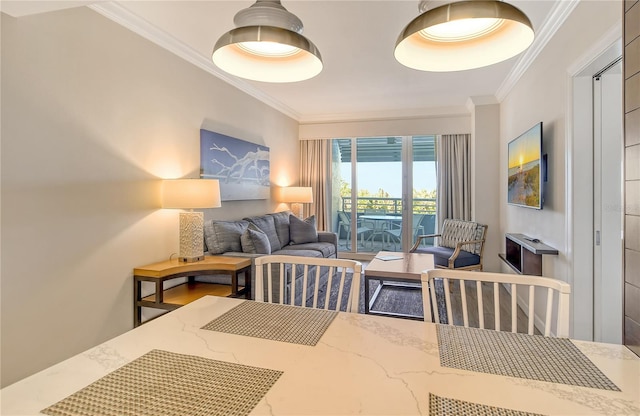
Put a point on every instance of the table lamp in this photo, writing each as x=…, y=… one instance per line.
x=296, y=196
x=190, y=194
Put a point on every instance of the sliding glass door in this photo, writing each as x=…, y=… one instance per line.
x=422, y=186
x=383, y=192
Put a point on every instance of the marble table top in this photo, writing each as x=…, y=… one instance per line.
x=363, y=364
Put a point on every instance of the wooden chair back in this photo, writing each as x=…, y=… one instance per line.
x=556, y=302
x=316, y=286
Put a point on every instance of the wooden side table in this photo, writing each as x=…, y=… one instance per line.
x=191, y=290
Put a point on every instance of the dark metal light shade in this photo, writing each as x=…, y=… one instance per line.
x=305, y=62
x=429, y=44
x=267, y=46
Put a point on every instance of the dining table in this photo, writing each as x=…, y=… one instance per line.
x=232, y=356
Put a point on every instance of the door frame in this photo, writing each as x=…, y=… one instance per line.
x=579, y=178
x=608, y=203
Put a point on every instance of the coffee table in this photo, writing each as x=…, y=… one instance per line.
x=399, y=270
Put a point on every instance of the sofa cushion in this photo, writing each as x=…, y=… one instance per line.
x=223, y=236
x=303, y=231
x=267, y=225
x=281, y=221
x=255, y=241
x=290, y=251
x=325, y=249
x=441, y=256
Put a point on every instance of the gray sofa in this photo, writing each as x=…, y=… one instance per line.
x=276, y=233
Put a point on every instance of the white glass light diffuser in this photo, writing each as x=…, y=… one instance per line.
x=267, y=45
x=464, y=35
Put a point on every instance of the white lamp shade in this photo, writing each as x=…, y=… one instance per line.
x=191, y=193
x=301, y=194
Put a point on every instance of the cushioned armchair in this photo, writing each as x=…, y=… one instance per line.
x=459, y=245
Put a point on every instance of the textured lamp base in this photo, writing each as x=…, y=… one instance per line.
x=296, y=208
x=191, y=237
x=191, y=259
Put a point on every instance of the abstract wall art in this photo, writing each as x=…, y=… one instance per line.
x=241, y=167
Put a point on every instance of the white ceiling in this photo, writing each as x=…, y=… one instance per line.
x=360, y=80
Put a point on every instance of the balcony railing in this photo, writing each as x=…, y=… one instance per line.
x=389, y=205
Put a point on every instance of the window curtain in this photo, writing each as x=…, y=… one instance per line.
x=314, y=172
x=454, y=177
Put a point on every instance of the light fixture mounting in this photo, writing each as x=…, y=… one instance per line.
x=463, y=35
x=267, y=45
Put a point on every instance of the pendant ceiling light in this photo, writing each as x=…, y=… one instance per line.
x=463, y=35
x=267, y=45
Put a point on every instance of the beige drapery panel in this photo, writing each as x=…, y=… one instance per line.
x=454, y=177
x=314, y=172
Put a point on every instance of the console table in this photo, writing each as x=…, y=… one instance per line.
x=524, y=254
x=180, y=295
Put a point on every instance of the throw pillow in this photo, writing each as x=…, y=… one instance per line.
x=255, y=241
x=281, y=221
x=223, y=236
x=267, y=225
x=303, y=231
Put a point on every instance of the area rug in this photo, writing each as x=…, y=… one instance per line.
x=390, y=299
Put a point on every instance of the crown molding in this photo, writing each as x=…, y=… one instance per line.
x=557, y=16
x=613, y=37
x=423, y=113
x=122, y=16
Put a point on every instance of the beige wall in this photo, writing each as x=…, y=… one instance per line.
x=92, y=116
x=543, y=94
x=485, y=174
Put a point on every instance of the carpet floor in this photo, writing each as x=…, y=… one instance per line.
x=390, y=299
x=409, y=302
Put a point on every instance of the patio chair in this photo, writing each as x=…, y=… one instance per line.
x=344, y=223
x=394, y=233
x=378, y=226
x=323, y=283
x=460, y=245
x=437, y=310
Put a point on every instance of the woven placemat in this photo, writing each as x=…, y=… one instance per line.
x=445, y=406
x=276, y=322
x=168, y=384
x=556, y=360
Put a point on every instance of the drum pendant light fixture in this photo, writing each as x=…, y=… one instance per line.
x=267, y=45
x=463, y=35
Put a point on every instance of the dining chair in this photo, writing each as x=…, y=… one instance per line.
x=555, y=300
x=325, y=283
x=344, y=224
x=460, y=245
